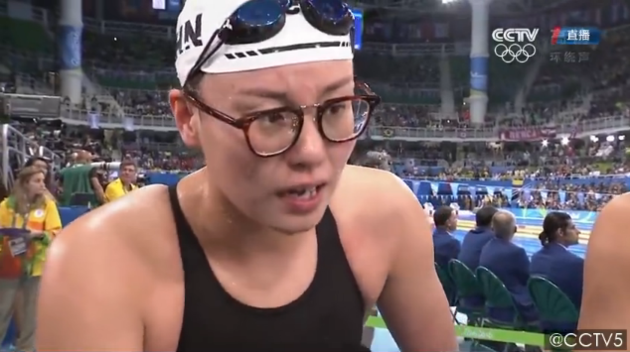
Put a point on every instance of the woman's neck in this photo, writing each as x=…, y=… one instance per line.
x=561, y=243
x=24, y=205
x=30, y=198
x=218, y=224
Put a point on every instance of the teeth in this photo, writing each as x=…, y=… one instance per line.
x=304, y=193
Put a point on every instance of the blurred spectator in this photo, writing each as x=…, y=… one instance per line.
x=33, y=220
x=124, y=184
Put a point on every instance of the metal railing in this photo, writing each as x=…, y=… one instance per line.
x=17, y=148
x=608, y=124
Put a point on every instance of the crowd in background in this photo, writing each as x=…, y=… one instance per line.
x=137, y=75
x=545, y=169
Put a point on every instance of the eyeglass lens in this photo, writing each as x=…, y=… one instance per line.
x=340, y=121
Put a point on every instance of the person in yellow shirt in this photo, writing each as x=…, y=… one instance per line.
x=124, y=184
x=29, y=220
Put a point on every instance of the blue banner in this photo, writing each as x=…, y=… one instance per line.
x=478, y=75
x=69, y=42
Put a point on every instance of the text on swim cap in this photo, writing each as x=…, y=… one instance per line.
x=189, y=35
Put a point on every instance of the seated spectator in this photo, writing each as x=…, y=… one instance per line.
x=478, y=237
x=510, y=264
x=123, y=184
x=445, y=246
x=22, y=257
x=555, y=263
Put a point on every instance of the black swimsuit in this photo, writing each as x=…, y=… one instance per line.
x=327, y=317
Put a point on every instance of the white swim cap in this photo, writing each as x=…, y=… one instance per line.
x=204, y=17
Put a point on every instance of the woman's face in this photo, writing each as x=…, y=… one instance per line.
x=35, y=185
x=257, y=186
x=571, y=235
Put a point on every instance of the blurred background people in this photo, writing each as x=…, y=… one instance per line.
x=478, y=237
x=509, y=262
x=445, y=246
x=29, y=221
x=124, y=184
x=557, y=264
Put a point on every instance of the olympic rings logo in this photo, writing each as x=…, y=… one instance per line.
x=515, y=52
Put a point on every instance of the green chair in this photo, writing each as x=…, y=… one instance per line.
x=449, y=289
x=498, y=297
x=553, y=305
x=468, y=290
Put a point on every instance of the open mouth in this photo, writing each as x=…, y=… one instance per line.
x=303, y=193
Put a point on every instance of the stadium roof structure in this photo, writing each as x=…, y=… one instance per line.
x=411, y=7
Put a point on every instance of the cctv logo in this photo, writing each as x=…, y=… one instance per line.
x=515, y=44
x=512, y=35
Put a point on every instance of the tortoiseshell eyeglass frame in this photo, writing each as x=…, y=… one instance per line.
x=244, y=123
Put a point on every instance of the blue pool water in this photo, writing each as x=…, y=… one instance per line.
x=383, y=341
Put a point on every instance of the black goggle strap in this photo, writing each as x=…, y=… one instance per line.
x=207, y=52
x=352, y=34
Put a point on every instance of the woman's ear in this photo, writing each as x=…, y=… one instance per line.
x=186, y=117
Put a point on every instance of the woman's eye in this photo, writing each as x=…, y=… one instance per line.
x=273, y=118
x=337, y=109
x=276, y=118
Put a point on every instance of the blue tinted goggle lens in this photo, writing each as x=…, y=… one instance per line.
x=261, y=13
x=331, y=10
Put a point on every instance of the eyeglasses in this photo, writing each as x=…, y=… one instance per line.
x=260, y=20
x=274, y=131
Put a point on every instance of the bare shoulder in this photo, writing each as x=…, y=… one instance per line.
x=409, y=296
x=103, y=265
x=613, y=216
x=379, y=200
x=113, y=235
x=377, y=192
x=111, y=222
x=604, y=293
x=608, y=237
x=359, y=175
